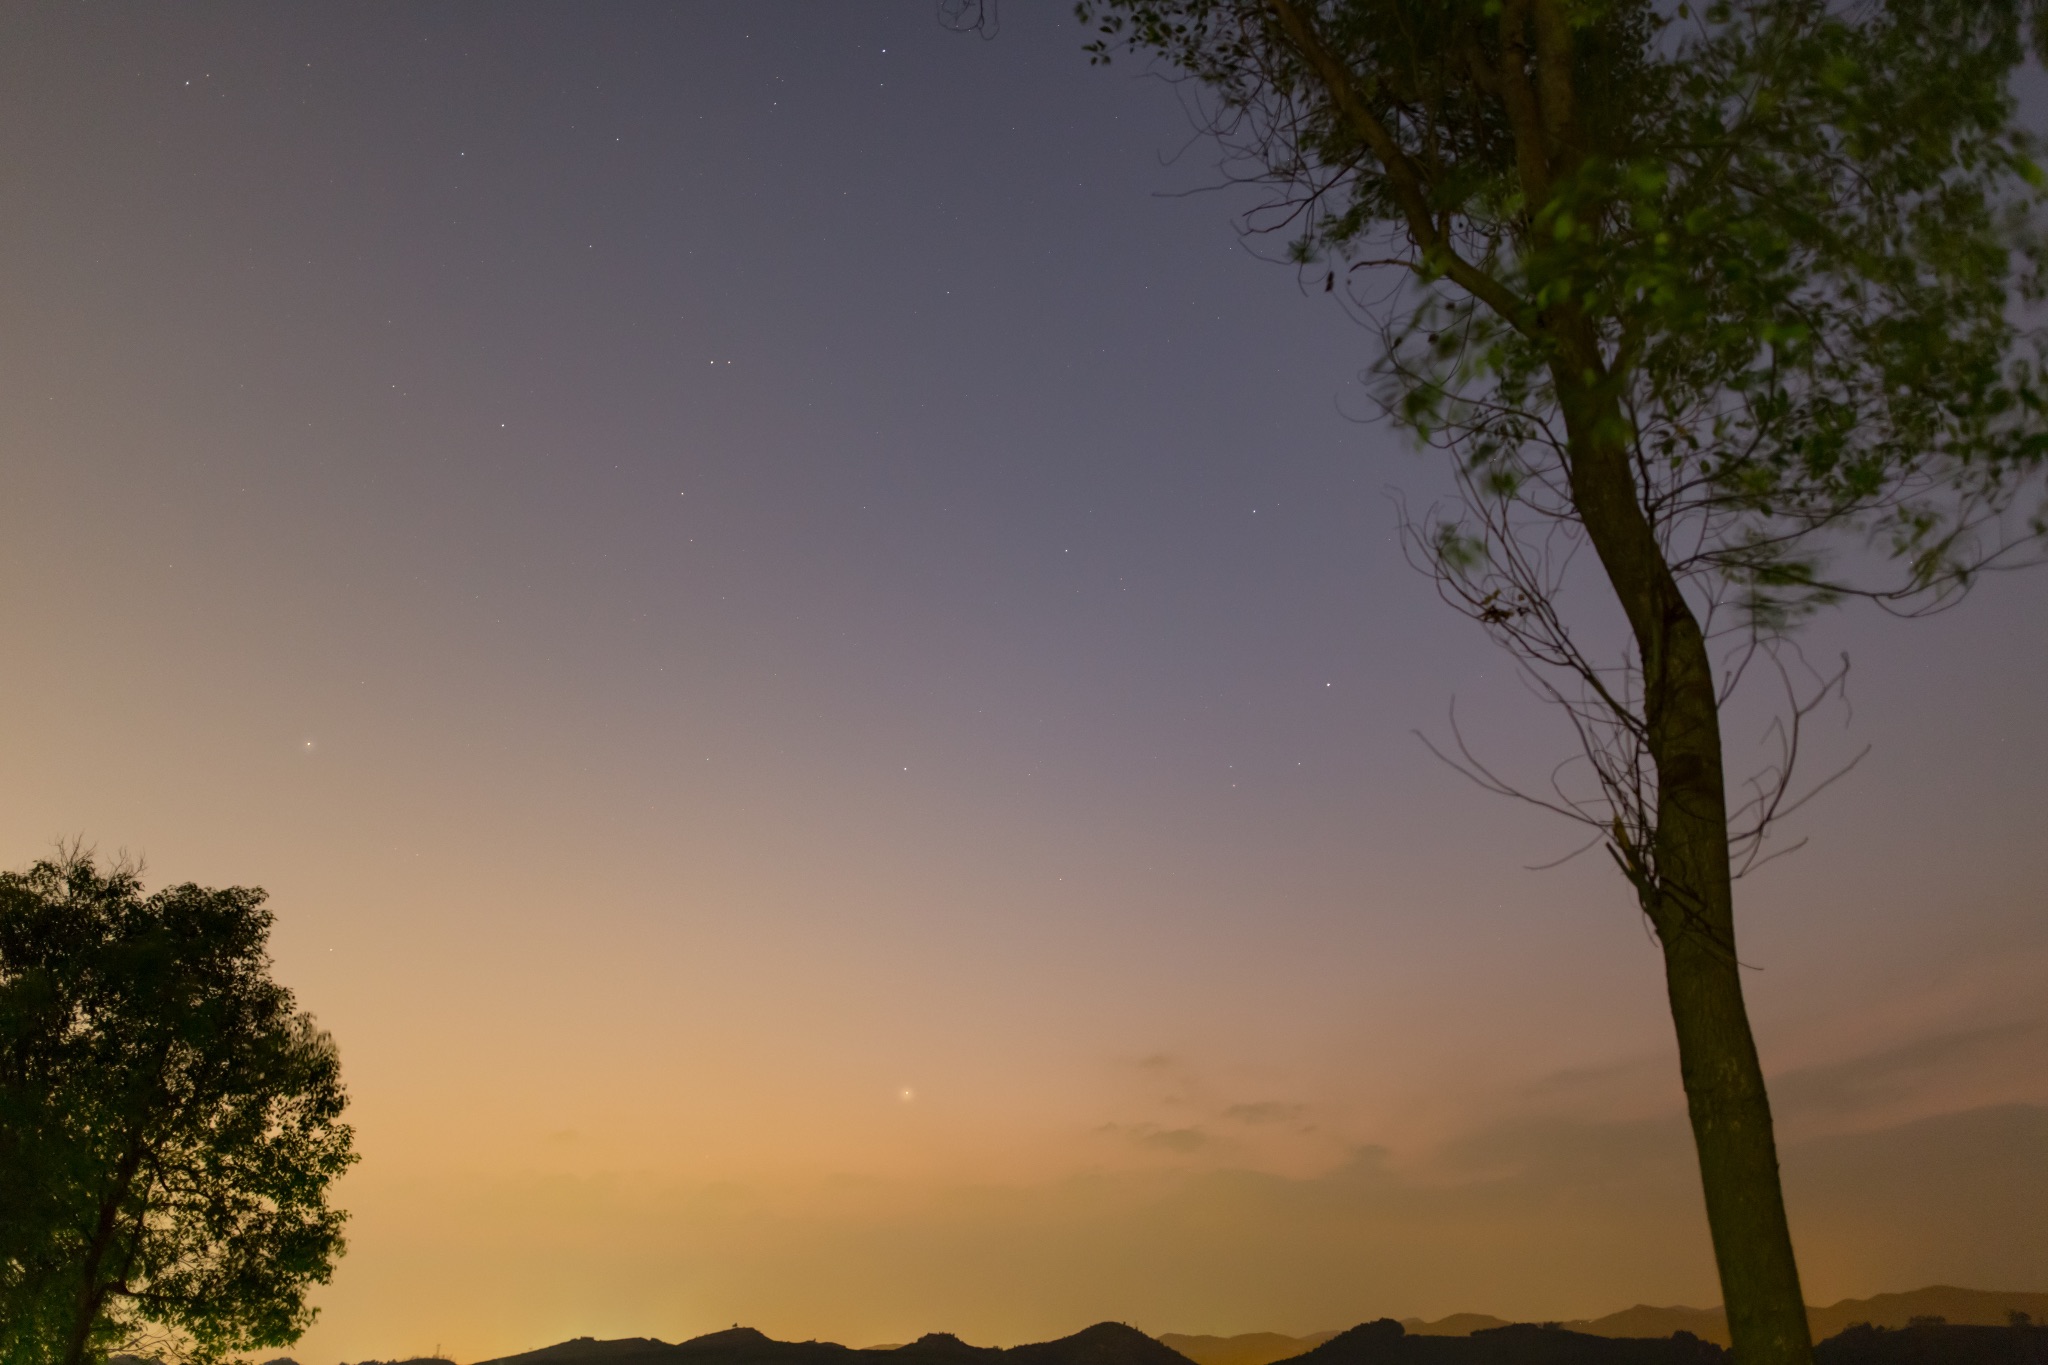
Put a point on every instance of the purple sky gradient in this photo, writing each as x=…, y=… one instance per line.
x=724, y=563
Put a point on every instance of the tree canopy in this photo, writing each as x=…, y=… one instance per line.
x=170, y=1123
x=1786, y=236
x=1739, y=298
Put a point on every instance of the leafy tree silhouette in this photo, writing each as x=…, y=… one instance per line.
x=170, y=1123
x=1716, y=304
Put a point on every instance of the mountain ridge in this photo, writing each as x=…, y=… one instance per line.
x=1106, y=1343
x=1114, y=1343
x=1962, y=1307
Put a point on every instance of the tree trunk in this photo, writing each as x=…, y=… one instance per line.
x=1683, y=878
x=1686, y=889
x=1731, y=1128
x=93, y=1287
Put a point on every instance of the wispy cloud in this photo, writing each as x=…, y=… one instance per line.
x=1181, y=1140
x=1265, y=1111
x=1945, y=1071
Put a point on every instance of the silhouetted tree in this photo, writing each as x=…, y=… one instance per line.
x=169, y=1123
x=1727, y=292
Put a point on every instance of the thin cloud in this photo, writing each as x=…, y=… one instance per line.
x=1265, y=1111
x=1182, y=1140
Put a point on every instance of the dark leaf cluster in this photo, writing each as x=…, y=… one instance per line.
x=170, y=1123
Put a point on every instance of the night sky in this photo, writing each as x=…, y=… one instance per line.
x=814, y=655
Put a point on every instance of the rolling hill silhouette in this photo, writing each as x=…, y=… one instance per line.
x=1106, y=1343
x=1248, y=1348
x=734, y=1346
x=1974, y=1307
x=1386, y=1343
x=1939, y=1325
x=1935, y=1344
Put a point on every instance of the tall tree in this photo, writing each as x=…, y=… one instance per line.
x=169, y=1124
x=1730, y=293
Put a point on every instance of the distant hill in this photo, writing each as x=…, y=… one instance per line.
x=1971, y=1307
x=1963, y=1307
x=1709, y=1324
x=1264, y=1348
x=1249, y=1348
x=1458, y=1325
x=1927, y=1343
x=1974, y=1307
x=1106, y=1343
x=735, y=1346
x=1642, y=1335
x=1386, y=1343
x=1935, y=1344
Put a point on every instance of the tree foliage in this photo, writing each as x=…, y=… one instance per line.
x=1793, y=232
x=1787, y=249
x=169, y=1123
x=1739, y=297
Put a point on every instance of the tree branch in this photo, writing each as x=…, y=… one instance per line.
x=1399, y=170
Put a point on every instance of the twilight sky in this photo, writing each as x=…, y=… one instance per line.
x=817, y=669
